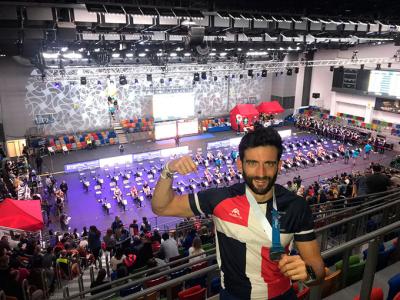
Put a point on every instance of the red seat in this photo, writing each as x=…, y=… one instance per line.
x=376, y=294
x=199, y=266
x=193, y=293
x=397, y=297
x=156, y=281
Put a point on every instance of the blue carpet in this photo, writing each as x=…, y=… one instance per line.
x=187, y=139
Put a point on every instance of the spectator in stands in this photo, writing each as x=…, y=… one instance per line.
x=196, y=249
x=169, y=247
x=134, y=228
x=100, y=280
x=109, y=240
x=291, y=187
x=117, y=223
x=360, y=187
x=84, y=232
x=146, y=226
x=121, y=149
x=94, y=243
x=377, y=181
x=354, y=156
x=64, y=189
x=260, y=153
x=117, y=259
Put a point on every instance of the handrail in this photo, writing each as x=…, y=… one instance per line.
x=362, y=214
x=359, y=240
x=143, y=272
x=326, y=254
x=144, y=279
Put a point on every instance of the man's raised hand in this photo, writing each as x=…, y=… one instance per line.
x=183, y=165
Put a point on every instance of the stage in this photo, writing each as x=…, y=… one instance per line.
x=84, y=207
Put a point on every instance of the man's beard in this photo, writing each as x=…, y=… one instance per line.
x=256, y=190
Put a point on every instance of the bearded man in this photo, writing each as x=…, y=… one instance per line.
x=255, y=222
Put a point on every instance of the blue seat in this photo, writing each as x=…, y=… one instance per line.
x=394, y=286
x=131, y=290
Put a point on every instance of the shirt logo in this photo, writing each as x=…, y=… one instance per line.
x=235, y=213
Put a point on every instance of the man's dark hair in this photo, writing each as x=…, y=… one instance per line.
x=261, y=136
x=165, y=236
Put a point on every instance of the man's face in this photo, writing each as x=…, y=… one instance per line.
x=260, y=168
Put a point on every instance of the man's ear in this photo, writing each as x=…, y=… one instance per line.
x=239, y=164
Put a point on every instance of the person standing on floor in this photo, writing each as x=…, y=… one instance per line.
x=255, y=222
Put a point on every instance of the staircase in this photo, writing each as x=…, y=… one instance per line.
x=120, y=133
x=73, y=285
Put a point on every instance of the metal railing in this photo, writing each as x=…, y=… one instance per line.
x=138, y=278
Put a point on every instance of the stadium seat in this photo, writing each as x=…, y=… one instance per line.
x=303, y=294
x=331, y=282
x=376, y=294
x=131, y=290
x=193, y=293
x=397, y=297
x=394, y=286
x=154, y=282
x=356, y=269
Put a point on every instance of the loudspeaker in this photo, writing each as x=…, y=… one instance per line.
x=296, y=70
x=289, y=72
x=316, y=95
x=196, y=77
x=66, y=34
x=264, y=73
x=250, y=73
x=203, y=75
x=83, y=80
x=215, y=78
x=196, y=35
x=331, y=68
x=122, y=80
x=149, y=77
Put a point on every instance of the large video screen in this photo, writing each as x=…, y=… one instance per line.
x=165, y=130
x=173, y=106
x=384, y=83
x=388, y=105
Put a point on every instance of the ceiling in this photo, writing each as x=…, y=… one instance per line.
x=160, y=31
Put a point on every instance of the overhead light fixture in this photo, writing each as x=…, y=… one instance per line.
x=64, y=49
x=72, y=55
x=115, y=55
x=97, y=50
x=159, y=54
x=187, y=54
x=173, y=54
x=223, y=54
x=142, y=54
x=212, y=54
x=129, y=55
x=50, y=55
x=122, y=80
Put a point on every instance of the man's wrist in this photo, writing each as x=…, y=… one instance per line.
x=166, y=172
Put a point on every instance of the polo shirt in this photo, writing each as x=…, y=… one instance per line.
x=242, y=245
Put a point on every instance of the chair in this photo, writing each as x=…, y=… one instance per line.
x=376, y=294
x=394, y=286
x=356, y=269
x=130, y=290
x=331, y=281
x=303, y=294
x=397, y=297
x=151, y=296
x=65, y=149
x=201, y=280
x=156, y=281
x=193, y=293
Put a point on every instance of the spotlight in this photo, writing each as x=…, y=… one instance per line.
x=57, y=85
x=250, y=73
x=331, y=68
x=289, y=72
x=378, y=67
x=122, y=80
x=83, y=80
x=196, y=77
x=264, y=73
x=203, y=75
x=296, y=70
x=149, y=77
x=362, y=67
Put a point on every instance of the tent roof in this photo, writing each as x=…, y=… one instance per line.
x=272, y=107
x=21, y=214
x=245, y=109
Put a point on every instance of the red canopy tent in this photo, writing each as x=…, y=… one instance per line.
x=21, y=214
x=241, y=112
x=270, y=108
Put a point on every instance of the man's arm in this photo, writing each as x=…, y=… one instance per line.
x=165, y=201
x=311, y=255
